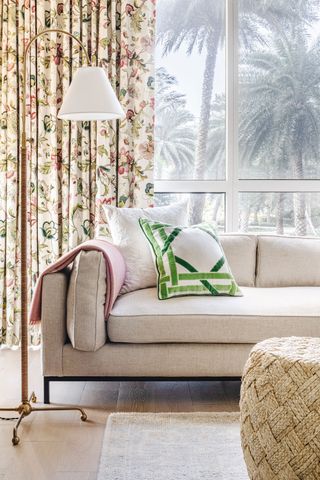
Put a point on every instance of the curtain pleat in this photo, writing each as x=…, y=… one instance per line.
x=74, y=167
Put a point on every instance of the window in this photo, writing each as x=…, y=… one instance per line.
x=238, y=112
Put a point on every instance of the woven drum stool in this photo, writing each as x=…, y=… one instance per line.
x=280, y=410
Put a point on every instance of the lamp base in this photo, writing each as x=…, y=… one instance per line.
x=25, y=408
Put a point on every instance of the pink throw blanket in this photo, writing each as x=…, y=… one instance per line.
x=115, y=267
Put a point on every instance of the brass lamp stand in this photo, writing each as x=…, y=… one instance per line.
x=26, y=407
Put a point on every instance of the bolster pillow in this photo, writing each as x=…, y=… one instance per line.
x=86, y=325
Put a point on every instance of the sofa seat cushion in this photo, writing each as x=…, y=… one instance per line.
x=139, y=317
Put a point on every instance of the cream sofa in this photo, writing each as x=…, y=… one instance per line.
x=191, y=337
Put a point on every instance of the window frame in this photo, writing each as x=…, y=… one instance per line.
x=233, y=186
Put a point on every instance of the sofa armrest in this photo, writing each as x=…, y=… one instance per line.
x=53, y=321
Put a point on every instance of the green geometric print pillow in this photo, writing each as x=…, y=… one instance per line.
x=189, y=260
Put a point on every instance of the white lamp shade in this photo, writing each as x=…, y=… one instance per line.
x=90, y=96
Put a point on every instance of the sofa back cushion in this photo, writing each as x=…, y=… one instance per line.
x=86, y=325
x=288, y=261
x=240, y=251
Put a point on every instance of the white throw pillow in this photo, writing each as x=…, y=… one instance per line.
x=127, y=235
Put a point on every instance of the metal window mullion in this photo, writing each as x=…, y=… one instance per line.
x=278, y=185
x=190, y=186
x=232, y=195
x=225, y=186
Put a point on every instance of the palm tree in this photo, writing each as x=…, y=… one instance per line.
x=272, y=16
x=199, y=24
x=216, y=144
x=174, y=129
x=280, y=111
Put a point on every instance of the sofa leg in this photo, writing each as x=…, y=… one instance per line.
x=46, y=390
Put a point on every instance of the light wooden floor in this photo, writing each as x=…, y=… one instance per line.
x=58, y=446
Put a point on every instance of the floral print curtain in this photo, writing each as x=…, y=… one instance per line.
x=74, y=167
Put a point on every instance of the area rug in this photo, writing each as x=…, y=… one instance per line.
x=172, y=446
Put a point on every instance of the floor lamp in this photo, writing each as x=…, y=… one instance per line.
x=89, y=97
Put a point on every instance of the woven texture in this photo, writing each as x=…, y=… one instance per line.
x=280, y=410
